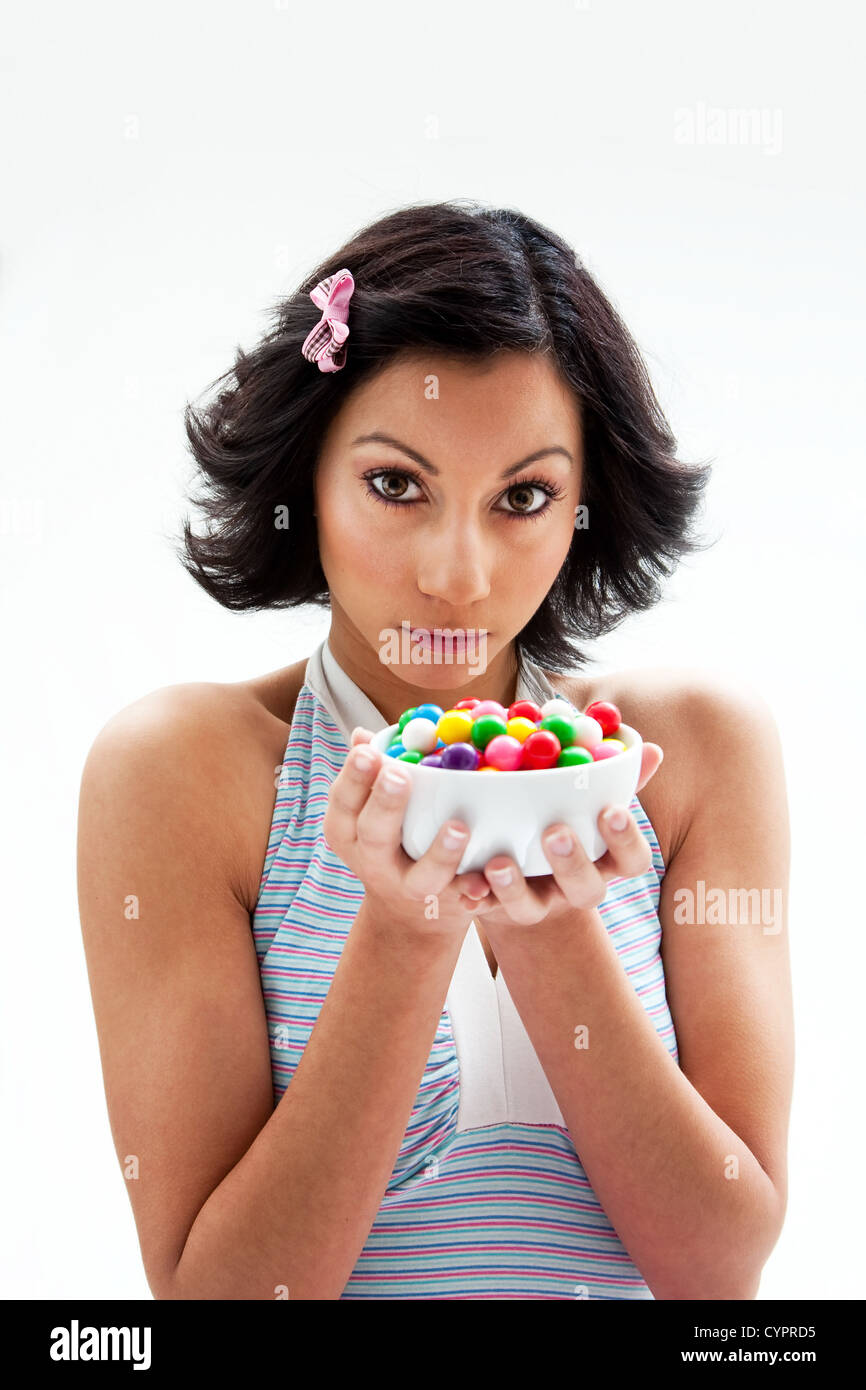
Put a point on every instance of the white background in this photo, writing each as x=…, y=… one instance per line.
x=170, y=170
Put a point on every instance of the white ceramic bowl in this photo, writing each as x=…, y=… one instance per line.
x=508, y=812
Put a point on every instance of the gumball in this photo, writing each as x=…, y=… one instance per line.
x=413, y=756
x=525, y=709
x=431, y=712
x=587, y=732
x=559, y=725
x=440, y=744
x=606, y=714
x=432, y=760
x=405, y=717
x=455, y=726
x=460, y=757
x=395, y=749
x=490, y=707
x=467, y=704
x=541, y=749
x=616, y=743
x=504, y=753
x=603, y=750
x=558, y=706
x=520, y=728
x=486, y=728
x=573, y=757
x=488, y=768
x=419, y=735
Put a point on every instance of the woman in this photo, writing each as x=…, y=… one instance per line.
x=576, y=1085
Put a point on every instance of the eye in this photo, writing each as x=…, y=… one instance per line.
x=396, y=497
x=525, y=489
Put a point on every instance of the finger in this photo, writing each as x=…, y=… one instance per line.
x=473, y=891
x=628, y=854
x=360, y=735
x=511, y=889
x=379, y=823
x=348, y=795
x=435, y=870
x=544, y=886
x=475, y=905
x=580, y=880
x=472, y=885
x=650, y=762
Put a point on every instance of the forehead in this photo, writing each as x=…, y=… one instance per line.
x=518, y=398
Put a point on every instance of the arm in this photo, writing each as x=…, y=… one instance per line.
x=233, y=1197
x=689, y=1163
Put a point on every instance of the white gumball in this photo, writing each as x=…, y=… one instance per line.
x=562, y=707
x=589, y=731
x=419, y=736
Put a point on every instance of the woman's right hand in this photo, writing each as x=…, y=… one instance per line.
x=363, y=825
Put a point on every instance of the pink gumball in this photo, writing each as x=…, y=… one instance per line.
x=602, y=751
x=504, y=753
x=490, y=707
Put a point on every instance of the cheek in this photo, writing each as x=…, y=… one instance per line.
x=357, y=550
x=532, y=558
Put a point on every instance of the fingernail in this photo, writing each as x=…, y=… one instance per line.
x=617, y=819
x=560, y=844
x=394, y=782
x=501, y=876
x=363, y=759
x=453, y=838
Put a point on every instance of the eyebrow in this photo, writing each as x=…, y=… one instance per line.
x=378, y=437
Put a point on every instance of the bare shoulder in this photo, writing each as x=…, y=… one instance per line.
x=694, y=715
x=175, y=805
x=213, y=749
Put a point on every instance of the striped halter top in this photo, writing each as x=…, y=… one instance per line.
x=488, y=1197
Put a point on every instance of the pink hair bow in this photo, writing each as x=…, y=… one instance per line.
x=326, y=343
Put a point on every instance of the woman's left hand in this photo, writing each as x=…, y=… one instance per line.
x=576, y=881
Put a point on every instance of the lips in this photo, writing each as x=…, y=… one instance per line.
x=455, y=634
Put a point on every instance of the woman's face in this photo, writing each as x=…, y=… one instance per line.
x=457, y=544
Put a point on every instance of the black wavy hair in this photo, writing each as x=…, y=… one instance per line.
x=466, y=280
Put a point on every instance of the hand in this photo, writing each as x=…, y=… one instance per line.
x=576, y=881
x=363, y=824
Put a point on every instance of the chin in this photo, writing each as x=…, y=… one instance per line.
x=447, y=675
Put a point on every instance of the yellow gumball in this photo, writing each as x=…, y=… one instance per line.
x=488, y=768
x=455, y=726
x=520, y=728
x=616, y=743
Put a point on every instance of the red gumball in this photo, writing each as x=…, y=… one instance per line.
x=541, y=750
x=606, y=714
x=525, y=709
x=466, y=704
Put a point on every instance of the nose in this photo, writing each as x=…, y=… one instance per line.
x=453, y=564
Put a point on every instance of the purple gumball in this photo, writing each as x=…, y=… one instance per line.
x=460, y=757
